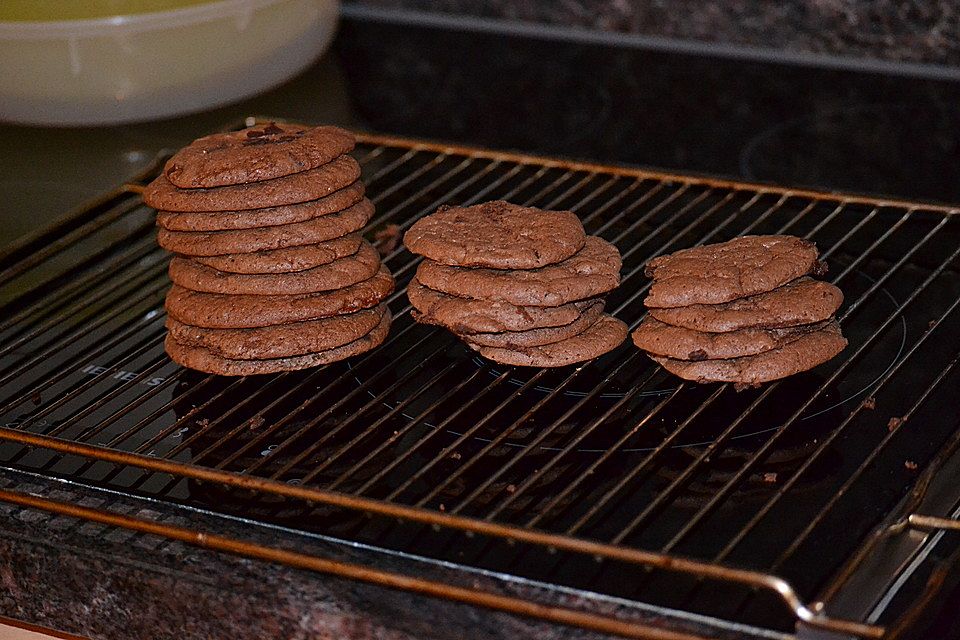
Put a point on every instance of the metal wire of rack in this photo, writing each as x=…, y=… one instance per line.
x=746, y=506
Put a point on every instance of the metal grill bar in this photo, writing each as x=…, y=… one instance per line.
x=279, y=424
x=383, y=578
x=85, y=284
x=694, y=466
x=58, y=243
x=661, y=499
x=587, y=430
x=73, y=335
x=293, y=438
x=691, y=525
x=516, y=424
x=613, y=552
x=377, y=431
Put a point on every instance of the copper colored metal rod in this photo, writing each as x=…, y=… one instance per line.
x=68, y=293
x=575, y=165
x=353, y=571
x=756, y=579
x=55, y=246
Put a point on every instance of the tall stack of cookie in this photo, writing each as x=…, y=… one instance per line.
x=271, y=272
x=519, y=285
x=744, y=311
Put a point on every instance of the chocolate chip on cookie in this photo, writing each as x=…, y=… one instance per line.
x=291, y=189
x=262, y=152
x=806, y=352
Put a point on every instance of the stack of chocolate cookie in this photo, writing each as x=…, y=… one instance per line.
x=744, y=311
x=271, y=272
x=519, y=285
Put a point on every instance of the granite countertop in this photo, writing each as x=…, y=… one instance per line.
x=923, y=35
x=112, y=584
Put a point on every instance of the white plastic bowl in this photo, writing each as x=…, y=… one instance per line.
x=152, y=65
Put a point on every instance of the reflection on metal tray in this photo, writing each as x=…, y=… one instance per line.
x=747, y=506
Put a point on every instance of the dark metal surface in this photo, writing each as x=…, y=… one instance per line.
x=611, y=477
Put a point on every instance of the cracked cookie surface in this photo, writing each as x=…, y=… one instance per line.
x=496, y=234
x=803, y=301
x=719, y=273
x=662, y=339
x=261, y=152
x=590, y=272
x=801, y=354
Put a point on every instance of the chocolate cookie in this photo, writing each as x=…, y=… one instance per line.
x=278, y=341
x=496, y=234
x=466, y=315
x=226, y=311
x=803, y=301
x=261, y=152
x=717, y=273
x=802, y=354
x=537, y=337
x=335, y=275
x=285, y=260
x=313, y=231
x=593, y=270
x=292, y=189
x=203, y=360
x=605, y=335
x=666, y=340
x=268, y=217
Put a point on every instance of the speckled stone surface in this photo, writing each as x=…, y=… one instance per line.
x=107, y=583
x=918, y=32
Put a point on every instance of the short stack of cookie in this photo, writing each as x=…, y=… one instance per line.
x=519, y=285
x=744, y=311
x=270, y=273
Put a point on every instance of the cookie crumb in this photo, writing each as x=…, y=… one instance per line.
x=442, y=507
x=256, y=422
x=36, y=398
x=203, y=422
x=770, y=477
x=931, y=325
x=910, y=464
x=455, y=455
x=741, y=386
x=869, y=403
x=387, y=239
x=894, y=423
x=511, y=488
